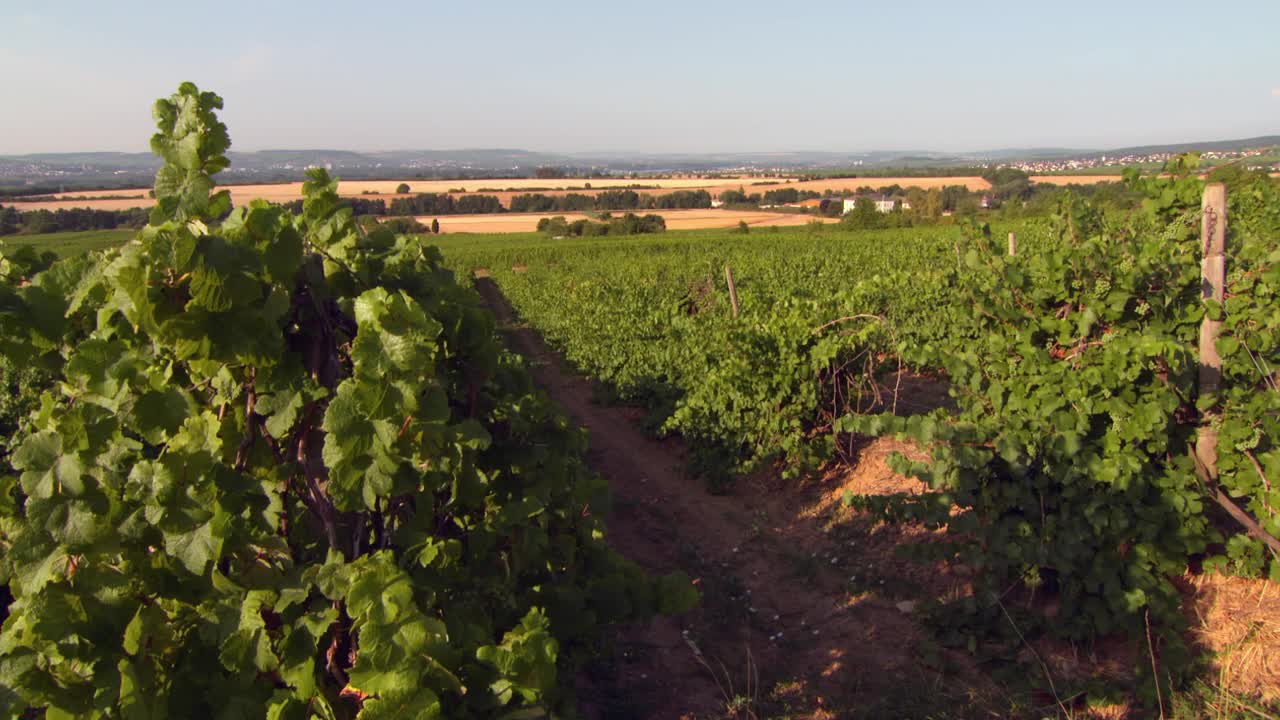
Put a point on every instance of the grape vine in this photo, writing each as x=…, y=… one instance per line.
x=1064, y=472
x=1067, y=469
x=287, y=468
x=650, y=318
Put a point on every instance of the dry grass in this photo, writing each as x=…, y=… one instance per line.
x=494, y=223
x=1075, y=179
x=1238, y=621
x=1234, y=621
x=867, y=472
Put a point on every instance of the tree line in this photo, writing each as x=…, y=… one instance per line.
x=1012, y=195
x=611, y=200
x=448, y=204
x=36, y=222
x=777, y=196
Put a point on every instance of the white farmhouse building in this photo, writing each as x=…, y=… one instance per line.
x=883, y=203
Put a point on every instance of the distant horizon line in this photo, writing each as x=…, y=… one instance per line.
x=1263, y=140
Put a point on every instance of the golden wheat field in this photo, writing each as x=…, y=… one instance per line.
x=505, y=189
x=385, y=189
x=1076, y=179
x=849, y=185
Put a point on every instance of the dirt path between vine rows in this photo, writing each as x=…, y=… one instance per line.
x=799, y=614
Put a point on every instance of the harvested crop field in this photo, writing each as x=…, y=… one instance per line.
x=849, y=185
x=1076, y=179
x=676, y=220
x=386, y=189
x=505, y=189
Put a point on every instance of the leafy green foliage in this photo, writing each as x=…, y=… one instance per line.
x=192, y=141
x=771, y=383
x=1249, y=429
x=627, y=224
x=67, y=244
x=1067, y=468
x=20, y=383
x=287, y=468
x=651, y=318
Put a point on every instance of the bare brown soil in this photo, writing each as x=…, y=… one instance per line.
x=807, y=610
x=795, y=612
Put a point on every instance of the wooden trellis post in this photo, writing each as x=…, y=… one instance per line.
x=1013, y=244
x=1213, y=279
x=733, y=290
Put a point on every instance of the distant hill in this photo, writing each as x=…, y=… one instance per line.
x=1213, y=146
x=52, y=172
x=112, y=160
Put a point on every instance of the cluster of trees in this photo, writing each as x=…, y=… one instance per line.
x=1043, y=199
x=573, y=202
x=444, y=204
x=777, y=196
x=10, y=220
x=682, y=200
x=1007, y=198
x=788, y=195
x=35, y=222
x=565, y=171
x=611, y=200
x=1010, y=189
x=738, y=197
x=1008, y=183
x=360, y=206
x=918, y=206
x=921, y=206
x=628, y=224
x=401, y=225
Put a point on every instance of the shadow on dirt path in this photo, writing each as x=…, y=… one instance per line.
x=795, y=618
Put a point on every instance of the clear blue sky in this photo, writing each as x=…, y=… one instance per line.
x=687, y=76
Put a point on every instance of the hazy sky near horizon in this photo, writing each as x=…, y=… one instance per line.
x=658, y=76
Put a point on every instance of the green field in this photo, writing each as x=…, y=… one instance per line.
x=66, y=244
